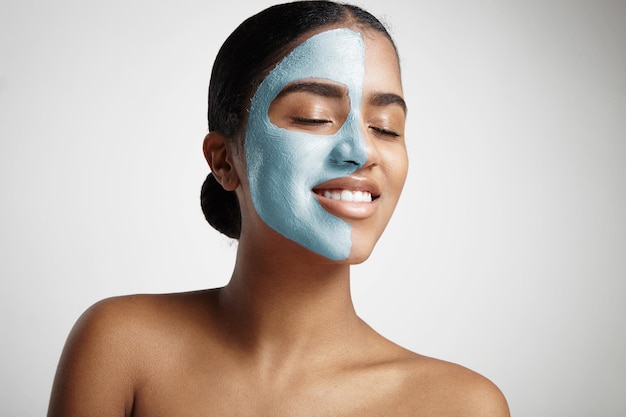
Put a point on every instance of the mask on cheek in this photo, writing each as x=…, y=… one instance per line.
x=284, y=165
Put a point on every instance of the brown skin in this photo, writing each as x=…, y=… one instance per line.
x=282, y=338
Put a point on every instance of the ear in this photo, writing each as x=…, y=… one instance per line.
x=219, y=155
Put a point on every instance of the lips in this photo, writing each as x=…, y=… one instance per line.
x=350, y=197
x=353, y=188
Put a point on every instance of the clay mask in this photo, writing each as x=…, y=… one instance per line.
x=284, y=165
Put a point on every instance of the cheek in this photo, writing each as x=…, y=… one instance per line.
x=396, y=165
x=296, y=163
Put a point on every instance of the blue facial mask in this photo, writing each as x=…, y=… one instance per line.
x=284, y=165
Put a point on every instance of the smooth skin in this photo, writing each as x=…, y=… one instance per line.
x=282, y=338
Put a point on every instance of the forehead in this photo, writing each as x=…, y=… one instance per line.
x=336, y=54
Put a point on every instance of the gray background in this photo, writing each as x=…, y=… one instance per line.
x=508, y=250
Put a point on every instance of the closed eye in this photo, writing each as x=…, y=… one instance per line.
x=385, y=132
x=304, y=120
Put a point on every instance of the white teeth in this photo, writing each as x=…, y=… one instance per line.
x=346, y=195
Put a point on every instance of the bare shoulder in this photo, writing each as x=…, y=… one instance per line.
x=134, y=312
x=109, y=351
x=119, y=320
x=448, y=389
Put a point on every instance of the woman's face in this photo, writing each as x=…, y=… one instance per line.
x=325, y=152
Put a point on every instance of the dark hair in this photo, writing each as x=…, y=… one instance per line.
x=242, y=62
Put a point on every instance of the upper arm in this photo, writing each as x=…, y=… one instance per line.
x=95, y=375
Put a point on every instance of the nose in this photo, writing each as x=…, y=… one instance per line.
x=351, y=149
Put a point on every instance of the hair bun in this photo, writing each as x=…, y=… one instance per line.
x=220, y=208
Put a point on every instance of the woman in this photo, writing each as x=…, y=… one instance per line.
x=308, y=160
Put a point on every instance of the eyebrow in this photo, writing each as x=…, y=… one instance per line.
x=320, y=89
x=386, y=99
x=336, y=91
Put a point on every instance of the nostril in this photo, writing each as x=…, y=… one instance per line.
x=344, y=162
x=349, y=151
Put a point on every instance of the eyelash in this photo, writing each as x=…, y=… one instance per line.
x=379, y=130
x=304, y=120
x=385, y=132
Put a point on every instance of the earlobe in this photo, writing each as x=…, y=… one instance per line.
x=219, y=156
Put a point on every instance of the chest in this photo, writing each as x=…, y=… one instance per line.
x=216, y=390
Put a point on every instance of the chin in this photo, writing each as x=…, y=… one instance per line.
x=359, y=255
x=357, y=259
x=362, y=247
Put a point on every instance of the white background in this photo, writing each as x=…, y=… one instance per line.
x=507, y=253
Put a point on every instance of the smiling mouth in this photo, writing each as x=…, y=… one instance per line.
x=347, y=195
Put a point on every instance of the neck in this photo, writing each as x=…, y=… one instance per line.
x=278, y=303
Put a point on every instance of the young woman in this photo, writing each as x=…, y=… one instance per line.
x=308, y=160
